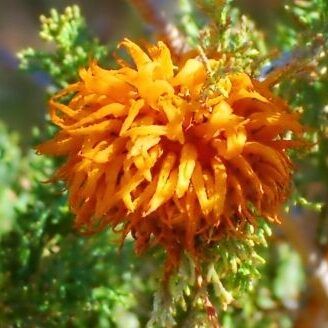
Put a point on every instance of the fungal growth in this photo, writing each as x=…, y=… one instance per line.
x=170, y=154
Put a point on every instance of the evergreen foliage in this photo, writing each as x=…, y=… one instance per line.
x=74, y=47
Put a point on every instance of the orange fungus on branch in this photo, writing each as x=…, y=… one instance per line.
x=151, y=148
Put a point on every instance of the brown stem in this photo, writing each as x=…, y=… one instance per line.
x=315, y=263
x=165, y=29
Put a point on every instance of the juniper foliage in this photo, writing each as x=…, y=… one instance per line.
x=74, y=47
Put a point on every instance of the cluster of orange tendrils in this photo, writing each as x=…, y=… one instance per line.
x=156, y=151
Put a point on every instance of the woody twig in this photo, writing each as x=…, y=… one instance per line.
x=166, y=30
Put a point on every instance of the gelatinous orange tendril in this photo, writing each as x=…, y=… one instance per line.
x=153, y=152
